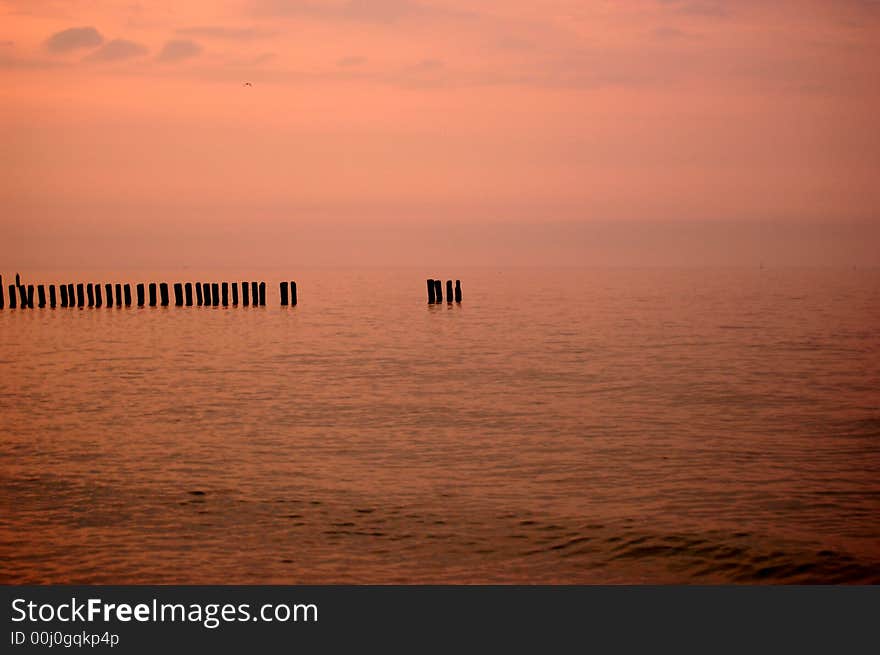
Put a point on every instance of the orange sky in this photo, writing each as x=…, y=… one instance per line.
x=129, y=122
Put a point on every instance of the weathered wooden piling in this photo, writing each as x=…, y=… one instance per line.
x=282, y=288
x=448, y=290
x=178, y=294
x=458, y=291
x=292, y=293
x=2, y=294
x=235, y=293
x=80, y=295
x=63, y=289
x=224, y=291
x=71, y=297
x=127, y=289
x=30, y=296
x=438, y=291
x=163, y=293
x=108, y=288
x=41, y=296
x=90, y=290
x=152, y=294
x=215, y=294
x=198, y=293
x=255, y=294
x=119, y=295
x=262, y=293
x=206, y=293
x=11, y=296
x=140, y=294
x=52, y=297
x=244, y=293
x=431, y=298
x=98, y=299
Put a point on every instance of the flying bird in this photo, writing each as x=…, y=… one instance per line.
x=247, y=84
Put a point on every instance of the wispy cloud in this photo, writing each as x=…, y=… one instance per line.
x=118, y=50
x=226, y=33
x=350, y=62
x=75, y=38
x=367, y=11
x=179, y=49
x=666, y=32
x=715, y=8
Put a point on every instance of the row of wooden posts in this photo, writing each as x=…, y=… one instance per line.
x=435, y=291
x=91, y=295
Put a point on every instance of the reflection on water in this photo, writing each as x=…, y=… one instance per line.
x=558, y=426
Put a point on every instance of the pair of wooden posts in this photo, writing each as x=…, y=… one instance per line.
x=435, y=291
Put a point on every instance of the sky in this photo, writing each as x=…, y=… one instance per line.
x=405, y=132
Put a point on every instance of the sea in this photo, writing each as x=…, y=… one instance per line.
x=689, y=426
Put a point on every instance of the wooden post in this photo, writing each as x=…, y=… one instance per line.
x=71, y=297
x=431, y=298
x=140, y=294
x=2, y=294
x=255, y=294
x=109, y=289
x=188, y=292
x=206, y=293
x=52, y=297
x=80, y=295
x=282, y=288
x=41, y=296
x=244, y=293
x=11, y=296
x=292, y=292
x=90, y=290
x=98, y=299
x=448, y=290
x=235, y=293
x=224, y=289
x=262, y=293
x=119, y=295
x=30, y=295
x=178, y=294
x=438, y=291
x=458, y=291
x=163, y=293
x=152, y=294
x=215, y=294
x=127, y=289
x=198, y=294
x=63, y=289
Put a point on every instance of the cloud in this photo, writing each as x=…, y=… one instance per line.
x=428, y=65
x=366, y=11
x=179, y=49
x=711, y=8
x=119, y=49
x=74, y=38
x=668, y=33
x=226, y=33
x=349, y=62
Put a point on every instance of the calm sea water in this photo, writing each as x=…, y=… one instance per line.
x=558, y=426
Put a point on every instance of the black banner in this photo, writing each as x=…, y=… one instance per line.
x=150, y=619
